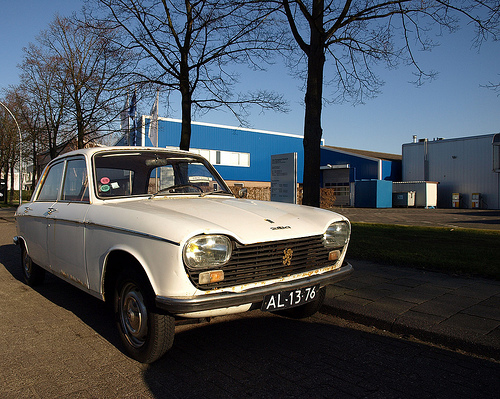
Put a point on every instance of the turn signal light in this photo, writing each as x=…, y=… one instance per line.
x=334, y=255
x=213, y=276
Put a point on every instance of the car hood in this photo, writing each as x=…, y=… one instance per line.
x=179, y=218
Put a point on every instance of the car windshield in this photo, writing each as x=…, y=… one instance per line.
x=133, y=173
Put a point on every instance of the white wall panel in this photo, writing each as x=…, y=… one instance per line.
x=459, y=165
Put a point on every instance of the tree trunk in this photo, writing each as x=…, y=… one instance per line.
x=186, y=121
x=313, y=102
x=35, y=167
x=80, y=125
x=186, y=102
x=52, y=143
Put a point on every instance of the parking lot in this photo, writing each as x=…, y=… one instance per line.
x=450, y=218
x=58, y=342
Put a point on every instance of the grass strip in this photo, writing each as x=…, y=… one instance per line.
x=456, y=251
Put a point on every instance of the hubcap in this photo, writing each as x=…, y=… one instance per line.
x=133, y=315
x=27, y=264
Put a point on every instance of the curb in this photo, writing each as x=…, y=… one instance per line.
x=399, y=327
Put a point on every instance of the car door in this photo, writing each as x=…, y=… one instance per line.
x=34, y=217
x=66, y=230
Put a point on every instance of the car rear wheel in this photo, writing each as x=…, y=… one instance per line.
x=145, y=333
x=307, y=310
x=32, y=273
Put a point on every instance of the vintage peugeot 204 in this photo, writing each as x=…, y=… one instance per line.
x=159, y=235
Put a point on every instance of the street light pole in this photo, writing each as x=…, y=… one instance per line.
x=20, y=154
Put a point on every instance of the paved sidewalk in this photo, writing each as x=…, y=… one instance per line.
x=7, y=214
x=485, y=219
x=457, y=312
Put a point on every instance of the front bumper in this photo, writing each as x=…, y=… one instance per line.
x=223, y=299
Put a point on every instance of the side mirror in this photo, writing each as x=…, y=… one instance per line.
x=243, y=193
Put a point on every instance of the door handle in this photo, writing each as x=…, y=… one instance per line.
x=51, y=210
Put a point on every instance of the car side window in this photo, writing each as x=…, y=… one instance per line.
x=75, y=187
x=52, y=183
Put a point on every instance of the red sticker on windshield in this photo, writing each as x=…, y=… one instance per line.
x=105, y=180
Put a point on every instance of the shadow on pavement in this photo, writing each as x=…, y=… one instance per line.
x=90, y=310
x=10, y=257
x=478, y=213
x=261, y=355
x=266, y=356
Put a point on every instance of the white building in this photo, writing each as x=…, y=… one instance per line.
x=461, y=166
x=27, y=178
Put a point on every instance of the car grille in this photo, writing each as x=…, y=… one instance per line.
x=265, y=261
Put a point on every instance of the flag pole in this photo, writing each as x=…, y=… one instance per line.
x=157, y=106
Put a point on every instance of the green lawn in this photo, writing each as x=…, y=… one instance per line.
x=461, y=251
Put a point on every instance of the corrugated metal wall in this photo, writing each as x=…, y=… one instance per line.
x=260, y=144
x=364, y=167
x=459, y=165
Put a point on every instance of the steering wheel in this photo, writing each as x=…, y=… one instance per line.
x=175, y=187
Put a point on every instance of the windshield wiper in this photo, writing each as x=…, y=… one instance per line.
x=223, y=192
x=173, y=189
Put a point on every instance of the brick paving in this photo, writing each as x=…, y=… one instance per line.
x=58, y=342
x=452, y=218
x=459, y=312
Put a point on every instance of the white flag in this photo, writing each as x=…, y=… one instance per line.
x=153, y=125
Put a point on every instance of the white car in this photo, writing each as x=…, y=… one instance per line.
x=159, y=234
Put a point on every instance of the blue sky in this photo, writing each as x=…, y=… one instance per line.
x=453, y=105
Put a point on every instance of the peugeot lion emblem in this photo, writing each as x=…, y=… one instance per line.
x=287, y=256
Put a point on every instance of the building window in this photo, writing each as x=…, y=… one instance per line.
x=225, y=158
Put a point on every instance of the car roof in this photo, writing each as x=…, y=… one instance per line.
x=91, y=151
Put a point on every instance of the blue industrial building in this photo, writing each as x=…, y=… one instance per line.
x=244, y=155
x=364, y=165
x=342, y=167
x=238, y=154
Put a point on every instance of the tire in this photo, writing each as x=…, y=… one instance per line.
x=146, y=334
x=32, y=273
x=307, y=310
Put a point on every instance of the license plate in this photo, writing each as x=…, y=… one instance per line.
x=289, y=299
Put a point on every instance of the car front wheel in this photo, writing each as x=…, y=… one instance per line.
x=146, y=334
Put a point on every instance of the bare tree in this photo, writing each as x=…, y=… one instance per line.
x=493, y=86
x=30, y=124
x=9, y=142
x=43, y=83
x=75, y=78
x=356, y=35
x=94, y=69
x=187, y=46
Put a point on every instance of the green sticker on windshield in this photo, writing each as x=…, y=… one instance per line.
x=105, y=188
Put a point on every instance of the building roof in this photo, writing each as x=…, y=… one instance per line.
x=371, y=154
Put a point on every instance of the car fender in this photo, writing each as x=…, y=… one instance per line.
x=134, y=254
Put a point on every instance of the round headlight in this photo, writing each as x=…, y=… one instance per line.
x=207, y=251
x=336, y=235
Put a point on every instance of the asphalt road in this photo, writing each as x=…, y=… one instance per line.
x=484, y=219
x=58, y=342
